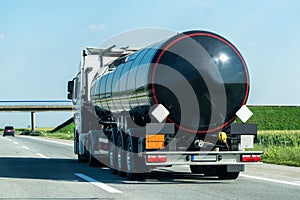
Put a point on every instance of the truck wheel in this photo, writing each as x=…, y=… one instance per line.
x=195, y=169
x=229, y=176
x=120, y=156
x=224, y=175
x=82, y=158
x=206, y=170
x=93, y=162
x=112, y=155
x=136, y=169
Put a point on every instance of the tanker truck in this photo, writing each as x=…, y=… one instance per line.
x=174, y=102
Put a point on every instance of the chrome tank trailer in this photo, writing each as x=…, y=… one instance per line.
x=198, y=76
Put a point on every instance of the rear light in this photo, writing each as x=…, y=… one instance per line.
x=250, y=158
x=156, y=158
x=9, y=131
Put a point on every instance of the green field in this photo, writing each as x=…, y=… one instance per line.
x=280, y=147
x=275, y=118
x=64, y=133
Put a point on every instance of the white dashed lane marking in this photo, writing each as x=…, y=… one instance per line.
x=98, y=184
x=271, y=180
x=42, y=155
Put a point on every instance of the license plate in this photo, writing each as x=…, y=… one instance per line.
x=204, y=158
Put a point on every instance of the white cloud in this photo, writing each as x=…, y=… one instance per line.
x=207, y=3
x=98, y=27
x=1, y=36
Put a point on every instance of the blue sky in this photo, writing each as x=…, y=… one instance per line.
x=41, y=41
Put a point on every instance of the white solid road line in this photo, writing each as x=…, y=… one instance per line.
x=25, y=147
x=52, y=141
x=98, y=184
x=271, y=180
x=42, y=155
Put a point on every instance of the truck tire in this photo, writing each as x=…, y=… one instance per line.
x=196, y=169
x=229, y=176
x=112, y=155
x=82, y=158
x=93, y=162
x=120, y=155
x=207, y=170
x=135, y=166
x=224, y=175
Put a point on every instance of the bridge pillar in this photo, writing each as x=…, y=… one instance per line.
x=32, y=121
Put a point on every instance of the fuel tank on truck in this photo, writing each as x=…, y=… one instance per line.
x=198, y=76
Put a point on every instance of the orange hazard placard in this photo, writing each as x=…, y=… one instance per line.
x=155, y=141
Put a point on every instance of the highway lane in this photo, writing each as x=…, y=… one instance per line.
x=31, y=168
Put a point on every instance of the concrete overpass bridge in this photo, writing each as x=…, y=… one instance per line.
x=34, y=106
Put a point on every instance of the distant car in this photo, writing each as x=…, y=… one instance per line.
x=9, y=130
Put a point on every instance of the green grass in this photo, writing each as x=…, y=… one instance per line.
x=68, y=128
x=280, y=147
x=65, y=133
x=280, y=155
x=59, y=135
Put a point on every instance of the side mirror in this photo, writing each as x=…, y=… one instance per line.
x=70, y=89
x=70, y=86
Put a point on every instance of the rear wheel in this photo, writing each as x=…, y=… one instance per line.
x=120, y=156
x=224, y=175
x=93, y=162
x=207, y=170
x=82, y=157
x=112, y=155
x=136, y=168
x=229, y=176
x=195, y=169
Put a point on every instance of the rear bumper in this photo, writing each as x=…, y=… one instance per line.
x=9, y=133
x=198, y=158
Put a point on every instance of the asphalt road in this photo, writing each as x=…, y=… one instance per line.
x=35, y=169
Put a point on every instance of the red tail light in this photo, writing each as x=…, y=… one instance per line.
x=157, y=158
x=250, y=158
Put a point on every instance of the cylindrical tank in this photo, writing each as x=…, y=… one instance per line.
x=199, y=76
